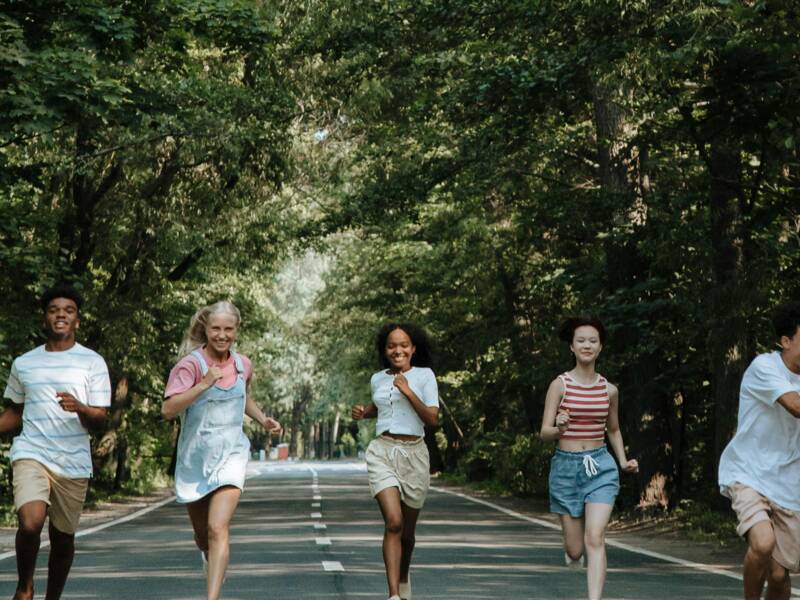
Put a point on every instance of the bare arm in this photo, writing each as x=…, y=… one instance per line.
x=359, y=411
x=791, y=402
x=252, y=410
x=11, y=418
x=614, y=434
x=91, y=417
x=554, y=422
x=175, y=405
x=428, y=414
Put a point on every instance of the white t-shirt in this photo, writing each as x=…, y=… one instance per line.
x=765, y=452
x=50, y=435
x=395, y=412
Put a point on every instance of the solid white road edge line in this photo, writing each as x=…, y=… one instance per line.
x=96, y=528
x=614, y=543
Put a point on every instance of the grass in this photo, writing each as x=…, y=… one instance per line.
x=701, y=523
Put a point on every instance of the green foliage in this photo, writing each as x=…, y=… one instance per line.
x=482, y=168
x=503, y=165
x=703, y=524
x=142, y=151
x=519, y=463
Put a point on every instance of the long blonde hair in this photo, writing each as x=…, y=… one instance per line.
x=195, y=336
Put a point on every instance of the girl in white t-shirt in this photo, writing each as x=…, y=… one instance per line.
x=405, y=399
x=209, y=389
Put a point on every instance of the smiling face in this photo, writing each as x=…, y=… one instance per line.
x=61, y=319
x=586, y=344
x=399, y=350
x=221, y=331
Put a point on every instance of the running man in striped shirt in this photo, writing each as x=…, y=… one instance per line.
x=58, y=392
x=581, y=406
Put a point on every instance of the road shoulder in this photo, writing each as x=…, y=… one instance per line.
x=662, y=537
x=99, y=514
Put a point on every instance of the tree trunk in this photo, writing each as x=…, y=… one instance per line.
x=298, y=411
x=335, y=433
x=727, y=339
x=626, y=267
x=123, y=473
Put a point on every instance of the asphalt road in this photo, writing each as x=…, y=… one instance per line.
x=310, y=530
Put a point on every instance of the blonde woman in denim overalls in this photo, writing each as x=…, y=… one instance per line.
x=209, y=390
x=581, y=409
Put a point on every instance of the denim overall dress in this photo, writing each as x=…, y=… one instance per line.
x=212, y=448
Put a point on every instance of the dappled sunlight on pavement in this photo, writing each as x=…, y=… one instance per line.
x=288, y=545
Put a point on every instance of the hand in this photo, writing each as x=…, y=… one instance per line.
x=272, y=426
x=631, y=466
x=69, y=402
x=401, y=383
x=357, y=412
x=562, y=420
x=211, y=377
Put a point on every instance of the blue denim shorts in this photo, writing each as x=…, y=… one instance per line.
x=580, y=477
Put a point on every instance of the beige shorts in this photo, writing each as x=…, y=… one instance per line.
x=33, y=481
x=404, y=465
x=751, y=508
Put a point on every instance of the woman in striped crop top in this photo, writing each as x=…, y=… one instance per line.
x=580, y=408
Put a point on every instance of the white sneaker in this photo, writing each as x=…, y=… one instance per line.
x=395, y=598
x=578, y=563
x=405, y=589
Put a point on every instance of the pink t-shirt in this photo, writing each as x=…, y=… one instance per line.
x=187, y=373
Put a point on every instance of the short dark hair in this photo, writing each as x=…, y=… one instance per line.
x=567, y=330
x=786, y=319
x=60, y=291
x=422, y=356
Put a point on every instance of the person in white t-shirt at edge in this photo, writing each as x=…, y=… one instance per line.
x=760, y=468
x=209, y=388
x=59, y=391
x=405, y=399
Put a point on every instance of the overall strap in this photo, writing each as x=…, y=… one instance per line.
x=201, y=359
x=237, y=360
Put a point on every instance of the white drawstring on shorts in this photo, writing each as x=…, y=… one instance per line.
x=395, y=450
x=590, y=465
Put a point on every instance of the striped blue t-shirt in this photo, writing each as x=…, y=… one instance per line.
x=50, y=435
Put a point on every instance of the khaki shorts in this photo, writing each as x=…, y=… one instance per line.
x=751, y=508
x=33, y=481
x=400, y=464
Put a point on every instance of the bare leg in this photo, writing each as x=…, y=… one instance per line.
x=757, y=559
x=62, y=551
x=198, y=515
x=594, y=538
x=221, y=507
x=391, y=509
x=779, y=586
x=573, y=536
x=31, y=521
x=407, y=539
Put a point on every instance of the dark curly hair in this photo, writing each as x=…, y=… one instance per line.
x=786, y=319
x=422, y=355
x=60, y=291
x=567, y=330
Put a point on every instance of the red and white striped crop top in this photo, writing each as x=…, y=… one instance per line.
x=588, y=408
